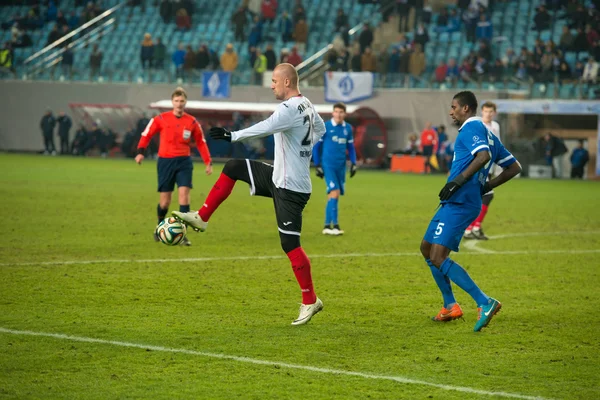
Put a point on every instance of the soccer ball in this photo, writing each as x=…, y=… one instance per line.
x=170, y=231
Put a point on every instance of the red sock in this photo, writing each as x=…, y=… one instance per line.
x=301, y=267
x=481, y=217
x=219, y=192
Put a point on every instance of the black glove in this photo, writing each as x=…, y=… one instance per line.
x=353, y=170
x=452, y=187
x=320, y=172
x=218, y=133
x=486, y=188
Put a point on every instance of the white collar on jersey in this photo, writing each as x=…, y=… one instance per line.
x=334, y=124
x=470, y=120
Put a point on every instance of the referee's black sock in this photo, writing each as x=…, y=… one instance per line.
x=183, y=208
x=161, y=213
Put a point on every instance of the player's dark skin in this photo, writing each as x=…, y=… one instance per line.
x=459, y=114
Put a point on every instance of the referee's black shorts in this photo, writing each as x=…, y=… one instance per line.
x=288, y=203
x=174, y=170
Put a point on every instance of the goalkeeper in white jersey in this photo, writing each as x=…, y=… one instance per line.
x=296, y=127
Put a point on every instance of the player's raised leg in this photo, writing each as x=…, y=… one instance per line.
x=233, y=171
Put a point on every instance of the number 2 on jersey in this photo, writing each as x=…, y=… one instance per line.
x=307, y=141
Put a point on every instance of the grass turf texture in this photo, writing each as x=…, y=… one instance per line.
x=377, y=308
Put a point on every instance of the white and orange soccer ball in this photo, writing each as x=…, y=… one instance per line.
x=170, y=231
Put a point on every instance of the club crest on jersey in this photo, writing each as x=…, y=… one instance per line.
x=187, y=134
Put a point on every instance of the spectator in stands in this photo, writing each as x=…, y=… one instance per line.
x=481, y=68
x=260, y=67
x=159, y=55
x=404, y=61
x=6, y=59
x=452, y=72
x=466, y=68
x=421, y=36
x=591, y=35
x=496, y=71
x=252, y=56
x=590, y=72
x=356, y=61
x=426, y=13
x=229, y=59
x=510, y=61
x=67, y=63
x=189, y=62
x=365, y=39
x=47, y=125
x=393, y=64
x=73, y=20
x=51, y=12
x=403, y=8
x=301, y=35
x=239, y=20
x=578, y=72
x=182, y=20
x=554, y=149
x=255, y=36
x=442, y=19
x=284, y=56
x=534, y=70
x=417, y=64
x=286, y=28
x=580, y=44
x=440, y=72
x=53, y=36
x=178, y=60
x=268, y=9
x=60, y=19
x=579, y=158
x=470, y=17
x=341, y=20
x=203, y=57
x=484, y=50
x=484, y=30
x=564, y=72
x=294, y=58
x=525, y=56
x=166, y=10
x=95, y=62
x=271, y=58
x=368, y=61
x=147, y=51
x=566, y=39
x=383, y=60
x=64, y=32
x=547, y=66
x=299, y=13
x=542, y=19
x=579, y=18
x=595, y=51
x=401, y=42
x=89, y=13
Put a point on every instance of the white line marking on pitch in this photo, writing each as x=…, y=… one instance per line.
x=474, y=244
x=470, y=245
x=399, y=379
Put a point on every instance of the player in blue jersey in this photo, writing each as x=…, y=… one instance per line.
x=329, y=156
x=475, y=151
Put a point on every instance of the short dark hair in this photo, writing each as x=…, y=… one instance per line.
x=340, y=105
x=466, y=98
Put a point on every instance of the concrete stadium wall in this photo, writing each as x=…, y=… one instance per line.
x=22, y=105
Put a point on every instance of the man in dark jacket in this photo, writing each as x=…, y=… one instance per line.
x=64, y=126
x=47, y=126
x=366, y=38
x=553, y=149
x=579, y=158
x=271, y=58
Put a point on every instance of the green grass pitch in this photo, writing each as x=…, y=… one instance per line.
x=77, y=259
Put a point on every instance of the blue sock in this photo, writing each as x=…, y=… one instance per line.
x=443, y=283
x=184, y=208
x=334, y=211
x=328, y=213
x=462, y=279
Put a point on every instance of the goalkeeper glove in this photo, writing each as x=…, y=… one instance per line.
x=353, y=170
x=320, y=172
x=219, y=133
x=452, y=187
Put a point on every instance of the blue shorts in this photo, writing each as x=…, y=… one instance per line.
x=335, y=178
x=448, y=225
x=174, y=170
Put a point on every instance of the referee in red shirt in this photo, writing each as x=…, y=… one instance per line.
x=177, y=130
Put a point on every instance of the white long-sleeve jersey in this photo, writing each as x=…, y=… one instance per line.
x=297, y=127
x=495, y=128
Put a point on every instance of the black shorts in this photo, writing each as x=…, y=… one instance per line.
x=288, y=204
x=174, y=170
x=428, y=151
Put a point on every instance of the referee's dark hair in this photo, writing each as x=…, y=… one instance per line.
x=341, y=106
x=467, y=98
